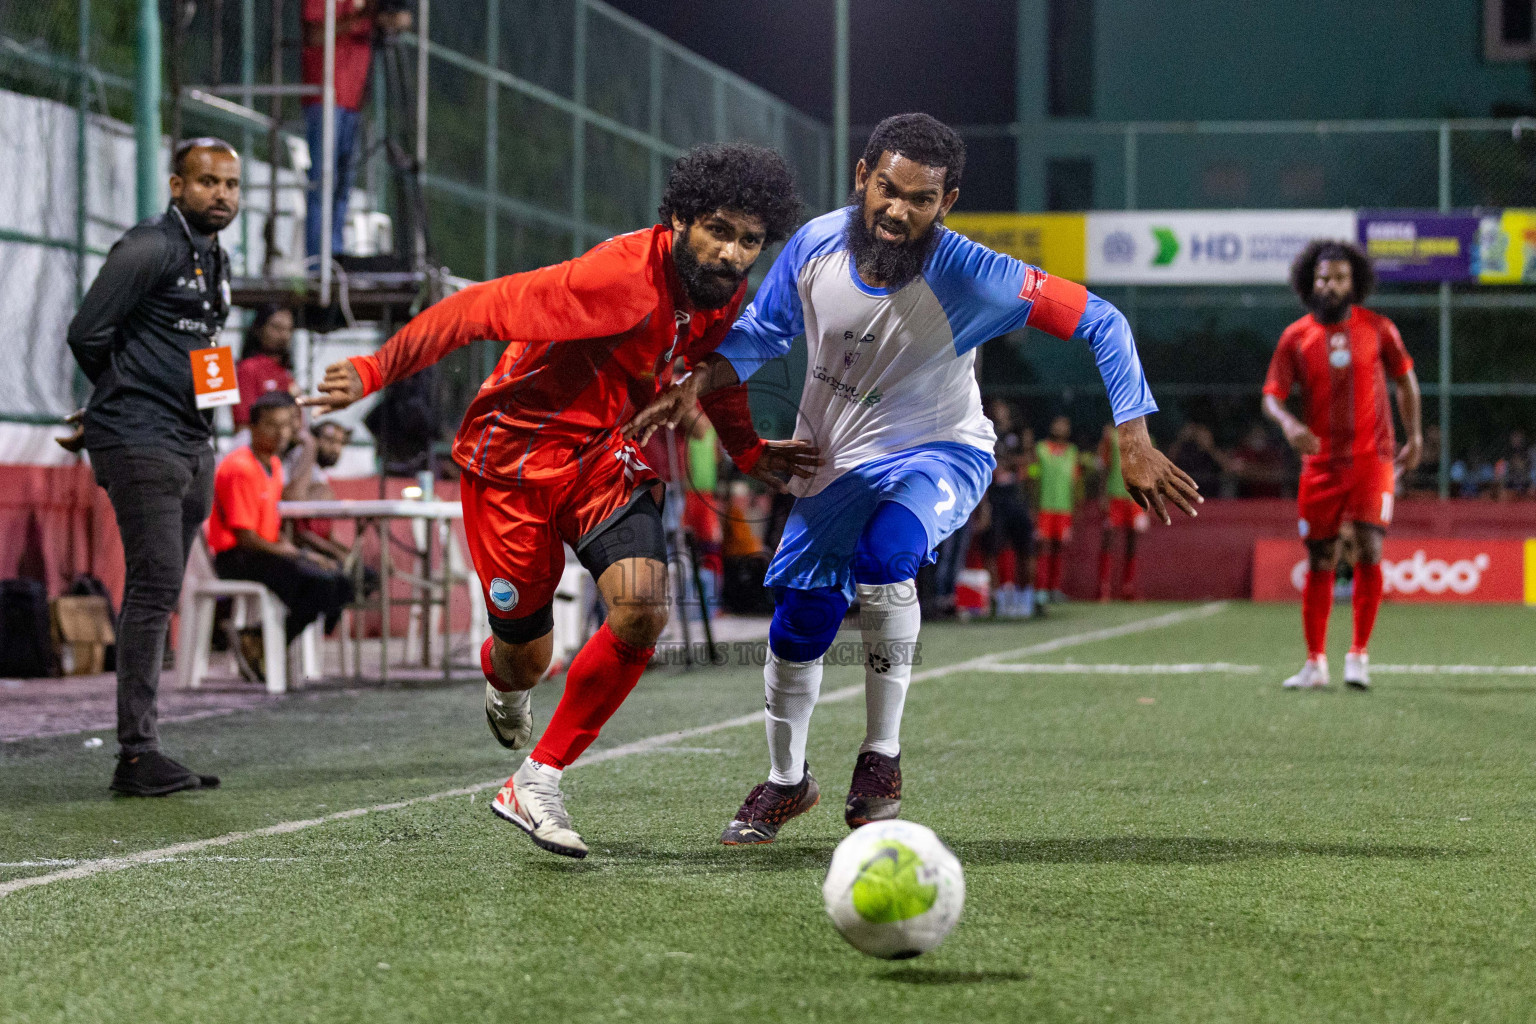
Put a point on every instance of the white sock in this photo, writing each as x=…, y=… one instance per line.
x=889, y=619
x=791, y=688
x=546, y=770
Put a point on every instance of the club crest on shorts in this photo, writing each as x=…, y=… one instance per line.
x=503, y=594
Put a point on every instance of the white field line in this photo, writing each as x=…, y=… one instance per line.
x=1455, y=670
x=86, y=869
x=1073, y=668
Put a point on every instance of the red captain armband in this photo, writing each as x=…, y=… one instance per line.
x=1056, y=304
x=367, y=368
x=731, y=415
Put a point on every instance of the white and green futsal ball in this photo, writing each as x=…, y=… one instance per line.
x=894, y=889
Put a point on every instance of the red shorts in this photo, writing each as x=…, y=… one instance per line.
x=1359, y=489
x=1056, y=526
x=1125, y=514
x=517, y=534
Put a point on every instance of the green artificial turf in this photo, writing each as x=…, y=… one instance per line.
x=1192, y=847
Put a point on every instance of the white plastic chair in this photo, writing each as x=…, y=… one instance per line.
x=200, y=591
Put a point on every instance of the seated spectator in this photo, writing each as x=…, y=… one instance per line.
x=1260, y=465
x=1513, y=470
x=266, y=359
x=304, y=470
x=245, y=531
x=1195, y=452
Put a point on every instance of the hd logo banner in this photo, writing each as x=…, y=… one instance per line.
x=1184, y=247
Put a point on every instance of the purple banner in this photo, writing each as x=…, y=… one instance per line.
x=1416, y=245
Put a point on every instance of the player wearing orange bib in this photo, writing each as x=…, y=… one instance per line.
x=1340, y=357
x=1120, y=513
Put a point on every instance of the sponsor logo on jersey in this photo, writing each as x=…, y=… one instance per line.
x=843, y=389
x=503, y=594
x=850, y=359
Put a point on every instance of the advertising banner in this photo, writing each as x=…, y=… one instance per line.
x=1424, y=570
x=1054, y=242
x=1414, y=245
x=1205, y=247
x=1506, y=248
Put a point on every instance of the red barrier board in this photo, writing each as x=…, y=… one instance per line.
x=1421, y=569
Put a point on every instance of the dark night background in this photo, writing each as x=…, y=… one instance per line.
x=953, y=61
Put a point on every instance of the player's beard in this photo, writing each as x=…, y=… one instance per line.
x=1327, y=309
x=893, y=263
x=709, y=285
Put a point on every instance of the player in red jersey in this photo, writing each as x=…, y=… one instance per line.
x=589, y=342
x=1341, y=357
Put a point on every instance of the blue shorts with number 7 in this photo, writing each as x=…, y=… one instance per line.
x=940, y=483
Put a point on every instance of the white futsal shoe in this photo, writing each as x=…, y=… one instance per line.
x=1357, y=671
x=531, y=800
x=1313, y=676
x=510, y=716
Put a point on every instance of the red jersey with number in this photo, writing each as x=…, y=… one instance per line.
x=590, y=342
x=1342, y=370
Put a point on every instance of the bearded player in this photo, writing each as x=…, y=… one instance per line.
x=588, y=342
x=893, y=306
x=1340, y=357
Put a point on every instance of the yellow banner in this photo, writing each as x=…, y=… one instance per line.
x=1055, y=242
x=1506, y=248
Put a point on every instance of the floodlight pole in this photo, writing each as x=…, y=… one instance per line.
x=327, y=151
x=841, y=179
x=146, y=111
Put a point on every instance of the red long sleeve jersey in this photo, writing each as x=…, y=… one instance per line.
x=1342, y=370
x=589, y=342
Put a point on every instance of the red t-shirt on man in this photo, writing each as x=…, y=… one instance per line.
x=354, y=51
x=245, y=497
x=1342, y=369
x=256, y=375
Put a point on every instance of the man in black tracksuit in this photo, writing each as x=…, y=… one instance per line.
x=162, y=294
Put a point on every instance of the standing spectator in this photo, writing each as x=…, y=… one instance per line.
x=1058, y=468
x=1011, y=538
x=1512, y=472
x=266, y=359
x=245, y=531
x=1120, y=513
x=1195, y=452
x=1259, y=464
x=356, y=23
x=162, y=294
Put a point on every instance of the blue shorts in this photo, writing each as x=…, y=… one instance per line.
x=940, y=483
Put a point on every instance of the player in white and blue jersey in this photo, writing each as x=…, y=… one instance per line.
x=893, y=306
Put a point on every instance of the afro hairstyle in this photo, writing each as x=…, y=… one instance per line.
x=921, y=138
x=1304, y=268
x=733, y=176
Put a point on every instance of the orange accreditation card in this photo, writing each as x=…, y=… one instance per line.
x=213, y=377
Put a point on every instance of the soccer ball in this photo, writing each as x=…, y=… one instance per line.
x=894, y=890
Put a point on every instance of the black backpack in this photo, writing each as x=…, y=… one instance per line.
x=26, y=642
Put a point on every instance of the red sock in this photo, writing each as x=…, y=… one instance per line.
x=1128, y=585
x=1316, y=603
x=1043, y=570
x=1007, y=567
x=1367, y=601
x=1056, y=569
x=1106, y=562
x=600, y=677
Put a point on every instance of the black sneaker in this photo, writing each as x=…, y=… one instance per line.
x=153, y=774
x=875, y=793
x=768, y=807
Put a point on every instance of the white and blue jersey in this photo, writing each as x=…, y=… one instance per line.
x=892, y=371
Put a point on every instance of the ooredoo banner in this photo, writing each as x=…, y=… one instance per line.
x=1205, y=247
x=1423, y=570
x=1050, y=241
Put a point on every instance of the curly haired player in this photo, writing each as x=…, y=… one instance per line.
x=1340, y=357
x=588, y=342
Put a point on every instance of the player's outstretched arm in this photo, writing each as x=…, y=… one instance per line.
x=1153, y=480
